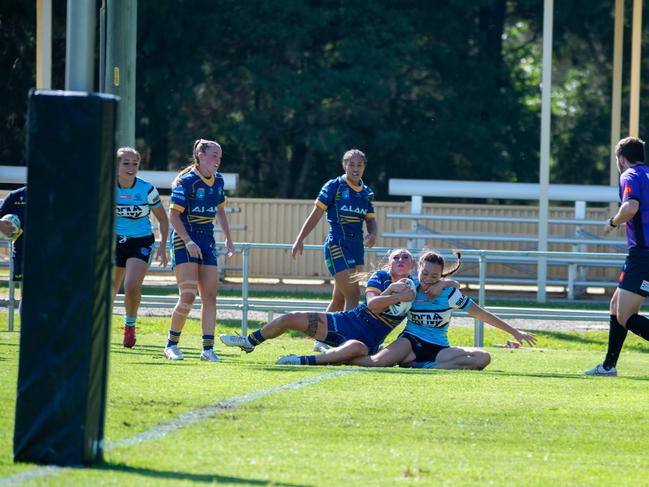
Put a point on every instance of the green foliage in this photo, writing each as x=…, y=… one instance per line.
x=447, y=92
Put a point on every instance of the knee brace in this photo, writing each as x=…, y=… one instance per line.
x=188, y=287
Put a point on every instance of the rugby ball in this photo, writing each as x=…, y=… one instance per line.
x=15, y=221
x=401, y=308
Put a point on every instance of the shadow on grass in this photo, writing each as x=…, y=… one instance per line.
x=432, y=372
x=555, y=375
x=583, y=338
x=570, y=337
x=495, y=373
x=192, y=477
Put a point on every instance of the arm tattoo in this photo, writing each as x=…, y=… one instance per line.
x=312, y=324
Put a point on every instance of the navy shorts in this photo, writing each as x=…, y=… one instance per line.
x=17, y=259
x=635, y=274
x=203, y=238
x=355, y=325
x=424, y=351
x=342, y=254
x=133, y=248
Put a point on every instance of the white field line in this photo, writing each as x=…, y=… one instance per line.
x=183, y=421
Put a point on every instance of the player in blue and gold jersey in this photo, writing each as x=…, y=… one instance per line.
x=197, y=197
x=424, y=342
x=348, y=203
x=135, y=200
x=14, y=204
x=352, y=333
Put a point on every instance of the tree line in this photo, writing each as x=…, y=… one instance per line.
x=436, y=89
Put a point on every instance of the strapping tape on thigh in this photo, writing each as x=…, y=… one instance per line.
x=189, y=287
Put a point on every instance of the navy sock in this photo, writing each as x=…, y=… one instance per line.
x=208, y=342
x=174, y=338
x=638, y=325
x=307, y=359
x=616, y=336
x=255, y=338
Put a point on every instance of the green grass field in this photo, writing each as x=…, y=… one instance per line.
x=531, y=418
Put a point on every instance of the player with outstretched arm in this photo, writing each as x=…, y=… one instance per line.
x=352, y=333
x=424, y=342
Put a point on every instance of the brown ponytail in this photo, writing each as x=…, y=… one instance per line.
x=200, y=145
x=435, y=258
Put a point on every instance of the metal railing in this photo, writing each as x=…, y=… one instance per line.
x=577, y=271
x=246, y=304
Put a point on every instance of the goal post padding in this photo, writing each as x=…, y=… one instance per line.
x=67, y=289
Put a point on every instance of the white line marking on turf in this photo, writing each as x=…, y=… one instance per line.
x=47, y=471
x=192, y=417
x=183, y=421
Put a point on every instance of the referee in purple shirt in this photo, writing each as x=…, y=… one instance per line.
x=634, y=281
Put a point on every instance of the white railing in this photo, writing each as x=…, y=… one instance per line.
x=416, y=189
x=246, y=304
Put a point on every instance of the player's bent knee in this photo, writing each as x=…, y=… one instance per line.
x=292, y=318
x=356, y=348
x=385, y=362
x=623, y=317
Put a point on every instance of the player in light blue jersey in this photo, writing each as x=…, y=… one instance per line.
x=352, y=333
x=135, y=200
x=424, y=342
x=348, y=203
x=197, y=197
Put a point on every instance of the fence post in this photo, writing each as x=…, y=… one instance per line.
x=12, y=288
x=580, y=273
x=245, y=264
x=416, y=208
x=478, y=327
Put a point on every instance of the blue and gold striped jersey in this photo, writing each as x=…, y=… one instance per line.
x=197, y=198
x=379, y=282
x=347, y=206
x=15, y=204
x=133, y=207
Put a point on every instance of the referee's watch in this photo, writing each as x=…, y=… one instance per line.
x=611, y=224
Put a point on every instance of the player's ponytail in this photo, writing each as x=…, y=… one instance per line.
x=458, y=264
x=200, y=145
x=435, y=258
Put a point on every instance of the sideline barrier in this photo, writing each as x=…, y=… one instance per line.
x=245, y=304
x=416, y=189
